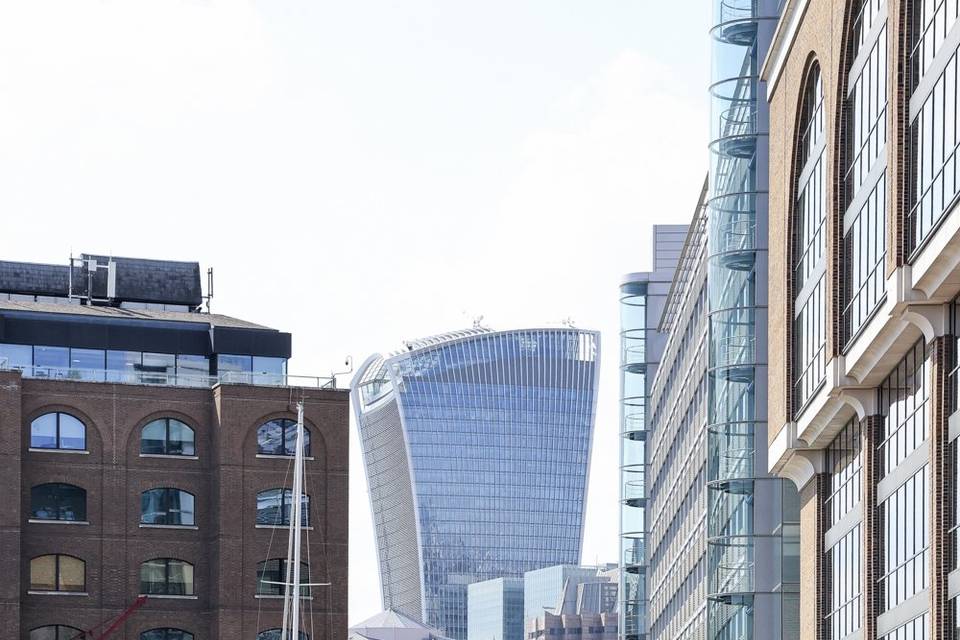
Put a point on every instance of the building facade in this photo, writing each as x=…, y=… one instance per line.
x=863, y=386
x=583, y=610
x=676, y=448
x=146, y=448
x=642, y=298
x=495, y=609
x=752, y=516
x=476, y=447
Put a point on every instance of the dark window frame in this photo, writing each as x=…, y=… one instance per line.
x=82, y=516
x=166, y=439
x=56, y=573
x=190, y=589
x=59, y=447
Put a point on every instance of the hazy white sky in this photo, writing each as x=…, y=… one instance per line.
x=359, y=172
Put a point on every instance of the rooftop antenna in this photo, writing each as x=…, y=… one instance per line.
x=209, y=296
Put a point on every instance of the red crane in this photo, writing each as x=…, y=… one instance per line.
x=111, y=625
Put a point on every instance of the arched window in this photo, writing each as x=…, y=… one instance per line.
x=279, y=438
x=55, y=632
x=58, y=501
x=166, y=634
x=167, y=506
x=167, y=437
x=809, y=251
x=864, y=188
x=273, y=507
x=57, y=572
x=166, y=577
x=58, y=431
x=272, y=574
x=275, y=634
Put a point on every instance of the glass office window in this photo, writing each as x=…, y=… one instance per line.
x=124, y=366
x=166, y=634
x=865, y=250
x=279, y=438
x=88, y=364
x=55, y=632
x=57, y=572
x=167, y=436
x=158, y=368
x=272, y=574
x=273, y=507
x=234, y=363
x=930, y=22
x=16, y=356
x=846, y=588
x=866, y=108
x=845, y=463
x=916, y=629
x=809, y=252
x=58, y=501
x=57, y=431
x=906, y=538
x=269, y=370
x=193, y=370
x=903, y=403
x=276, y=634
x=936, y=174
x=166, y=576
x=166, y=506
x=51, y=361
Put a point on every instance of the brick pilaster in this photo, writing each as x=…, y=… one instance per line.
x=872, y=558
x=941, y=489
x=825, y=565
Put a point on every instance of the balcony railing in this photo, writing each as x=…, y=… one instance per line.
x=162, y=378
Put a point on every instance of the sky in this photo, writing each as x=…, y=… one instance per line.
x=363, y=172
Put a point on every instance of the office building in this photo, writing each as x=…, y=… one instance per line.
x=476, y=446
x=642, y=297
x=545, y=588
x=495, y=609
x=584, y=611
x=864, y=278
x=146, y=446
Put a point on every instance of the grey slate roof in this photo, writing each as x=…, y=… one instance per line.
x=212, y=319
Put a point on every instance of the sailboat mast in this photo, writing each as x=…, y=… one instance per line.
x=297, y=506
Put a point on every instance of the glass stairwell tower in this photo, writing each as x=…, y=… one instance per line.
x=752, y=519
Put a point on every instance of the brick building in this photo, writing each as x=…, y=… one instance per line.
x=864, y=277
x=144, y=449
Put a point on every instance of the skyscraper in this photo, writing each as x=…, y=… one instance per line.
x=476, y=447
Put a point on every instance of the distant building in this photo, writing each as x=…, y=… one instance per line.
x=547, y=588
x=585, y=611
x=476, y=446
x=146, y=451
x=393, y=625
x=495, y=609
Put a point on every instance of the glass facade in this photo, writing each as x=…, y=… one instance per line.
x=633, y=433
x=846, y=585
x=903, y=400
x=496, y=432
x=495, y=610
x=752, y=519
x=906, y=539
x=916, y=629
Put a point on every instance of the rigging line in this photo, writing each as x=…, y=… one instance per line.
x=273, y=533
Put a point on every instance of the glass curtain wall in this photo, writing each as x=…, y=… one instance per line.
x=752, y=520
x=633, y=431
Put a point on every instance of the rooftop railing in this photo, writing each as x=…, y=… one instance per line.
x=163, y=378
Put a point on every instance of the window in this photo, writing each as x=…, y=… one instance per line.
x=58, y=431
x=166, y=634
x=272, y=574
x=809, y=250
x=168, y=437
x=916, y=629
x=279, y=438
x=57, y=573
x=906, y=535
x=58, y=501
x=844, y=617
x=275, y=634
x=903, y=403
x=166, y=506
x=844, y=464
x=55, y=632
x=16, y=356
x=166, y=577
x=273, y=507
